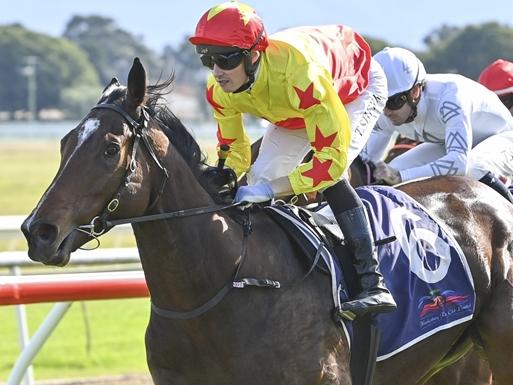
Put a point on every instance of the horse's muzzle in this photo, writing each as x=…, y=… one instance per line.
x=44, y=243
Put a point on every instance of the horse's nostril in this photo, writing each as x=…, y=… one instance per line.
x=45, y=232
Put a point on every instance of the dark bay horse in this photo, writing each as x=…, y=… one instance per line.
x=130, y=157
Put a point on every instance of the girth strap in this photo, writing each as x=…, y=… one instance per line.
x=173, y=314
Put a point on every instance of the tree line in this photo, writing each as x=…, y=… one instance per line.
x=71, y=70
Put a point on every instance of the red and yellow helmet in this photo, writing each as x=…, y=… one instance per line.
x=231, y=24
x=498, y=77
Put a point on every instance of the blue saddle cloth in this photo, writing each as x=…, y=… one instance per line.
x=424, y=268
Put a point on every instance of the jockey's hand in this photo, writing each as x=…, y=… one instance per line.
x=219, y=176
x=261, y=192
x=383, y=172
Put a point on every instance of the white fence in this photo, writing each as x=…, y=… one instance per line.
x=120, y=284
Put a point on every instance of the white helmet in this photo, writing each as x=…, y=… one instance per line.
x=402, y=68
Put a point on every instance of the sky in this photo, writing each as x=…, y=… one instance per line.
x=166, y=22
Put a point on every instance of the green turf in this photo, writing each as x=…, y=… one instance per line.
x=27, y=169
x=115, y=344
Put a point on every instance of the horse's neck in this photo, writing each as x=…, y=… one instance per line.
x=186, y=259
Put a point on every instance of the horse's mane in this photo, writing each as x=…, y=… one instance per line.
x=177, y=133
x=171, y=125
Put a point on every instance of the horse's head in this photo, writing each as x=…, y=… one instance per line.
x=101, y=168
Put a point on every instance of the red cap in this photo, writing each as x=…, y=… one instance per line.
x=231, y=24
x=498, y=77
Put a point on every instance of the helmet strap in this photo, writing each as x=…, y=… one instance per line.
x=413, y=114
x=413, y=104
x=250, y=68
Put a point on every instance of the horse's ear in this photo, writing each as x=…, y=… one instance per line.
x=136, y=84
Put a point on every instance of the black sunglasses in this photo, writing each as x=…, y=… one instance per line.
x=507, y=100
x=396, y=101
x=225, y=61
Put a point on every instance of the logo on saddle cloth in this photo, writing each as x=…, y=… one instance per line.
x=424, y=269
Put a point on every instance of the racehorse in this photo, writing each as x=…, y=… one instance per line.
x=131, y=157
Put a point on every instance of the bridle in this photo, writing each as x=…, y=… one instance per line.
x=99, y=223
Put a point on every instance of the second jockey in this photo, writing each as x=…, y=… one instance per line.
x=463, y=127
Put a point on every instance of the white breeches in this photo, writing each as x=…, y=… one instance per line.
x=494, y=154
x=282, y=150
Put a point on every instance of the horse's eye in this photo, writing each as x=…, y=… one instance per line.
x=112, y=149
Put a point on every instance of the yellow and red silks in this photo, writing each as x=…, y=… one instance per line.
x=305, y=77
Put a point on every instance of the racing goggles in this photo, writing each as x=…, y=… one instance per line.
x=396, y=101
x=225, y=61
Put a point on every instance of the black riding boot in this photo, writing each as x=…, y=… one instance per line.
x=353, y=221
x=490, y=180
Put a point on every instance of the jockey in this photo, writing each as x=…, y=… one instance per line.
x=321, y=90
x=463, y=127
x=498, y=77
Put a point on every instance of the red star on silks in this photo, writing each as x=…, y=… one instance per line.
x=210, y=98
x=306, y=98
x=222, y=140
x=319, y=171
x=322, y=141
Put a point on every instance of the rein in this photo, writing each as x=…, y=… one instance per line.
x=157, y=217
x=402, y=146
